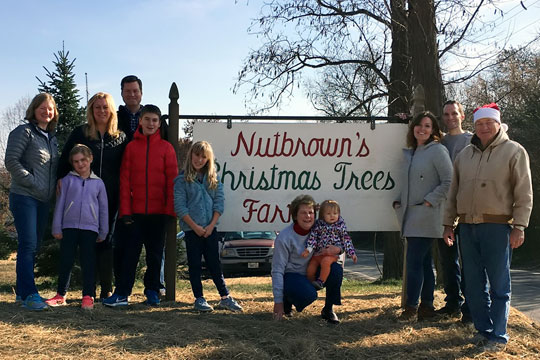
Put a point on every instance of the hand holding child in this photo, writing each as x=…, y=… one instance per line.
x=305, y=253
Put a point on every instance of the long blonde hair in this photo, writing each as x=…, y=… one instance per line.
x=201, y=147
x=112, y=123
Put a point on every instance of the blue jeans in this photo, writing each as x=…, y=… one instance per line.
x=31, y=218
x=486, y=256
x=196, y=247
x=453, y=280
x=420, y=277
x=86, y=241
x=298, y=290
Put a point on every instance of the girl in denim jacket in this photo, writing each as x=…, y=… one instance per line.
x=199, y=202
x=80, y=219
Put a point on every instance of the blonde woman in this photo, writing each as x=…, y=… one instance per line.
x=107, y=142
x=198, y=203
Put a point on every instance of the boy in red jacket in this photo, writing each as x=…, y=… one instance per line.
x=146, y=201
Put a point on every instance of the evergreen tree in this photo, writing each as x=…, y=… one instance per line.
x=61, y=85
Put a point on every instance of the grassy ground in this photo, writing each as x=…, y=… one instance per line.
x=369, y=329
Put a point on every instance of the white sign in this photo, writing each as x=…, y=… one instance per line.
x=263, y=167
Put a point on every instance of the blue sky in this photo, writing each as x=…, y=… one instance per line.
x=199, y=44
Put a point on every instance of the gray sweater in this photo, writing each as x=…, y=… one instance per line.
x=456, y=143
x=287, y=258
x=32, y=159
x=426, y=176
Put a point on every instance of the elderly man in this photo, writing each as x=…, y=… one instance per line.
x=491, y=198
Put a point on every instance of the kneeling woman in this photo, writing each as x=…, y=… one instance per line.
x=290, y=285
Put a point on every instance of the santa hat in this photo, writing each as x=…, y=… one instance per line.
x=489, y=111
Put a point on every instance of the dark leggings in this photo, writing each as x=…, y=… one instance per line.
x=86, y=241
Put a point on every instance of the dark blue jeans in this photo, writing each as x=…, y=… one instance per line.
x=420, y=277
x=453, y=281
x=196, y=247
x=86, y=241
x=31, y=218
x=486, y=258
x=147, y=230
x=298, y=290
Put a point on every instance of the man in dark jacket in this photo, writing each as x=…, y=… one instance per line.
x=128, y=114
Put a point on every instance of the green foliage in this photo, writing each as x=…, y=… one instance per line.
x=8, y=244
x=61, y=85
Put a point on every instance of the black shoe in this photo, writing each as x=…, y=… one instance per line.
x=329, y=316
x=466, y=319
x=317, y=284
x=427, y=313
x=449, y=311
x=408, y=314
x=287, y=308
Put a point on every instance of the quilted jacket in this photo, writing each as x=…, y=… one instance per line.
x=32, y=159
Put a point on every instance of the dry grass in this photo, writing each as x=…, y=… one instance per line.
x=369, y=329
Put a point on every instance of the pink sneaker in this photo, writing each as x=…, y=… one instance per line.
x=87, y=303
x=58, y=300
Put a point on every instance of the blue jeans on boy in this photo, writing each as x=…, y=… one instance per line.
x=197, y=246
x=86, y=241
x=147, y=230
x=486, y=257
x=420, y=277
x=298, y=290
x=31, y=217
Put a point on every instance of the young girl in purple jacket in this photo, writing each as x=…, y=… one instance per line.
x=80, y=219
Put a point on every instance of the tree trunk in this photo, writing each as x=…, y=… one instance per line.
x=399, y=88
x=424, y=53
x=399, y=94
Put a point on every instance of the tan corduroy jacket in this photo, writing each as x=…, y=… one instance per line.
x=490, y=186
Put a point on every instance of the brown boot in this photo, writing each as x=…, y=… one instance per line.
x=408, y=314
x=427, y=312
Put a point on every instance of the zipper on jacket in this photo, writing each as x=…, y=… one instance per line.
x=101, y=155
x=49, y=139
x=147, y=156
x=68, y=208
x=82, y=197
x=472, y=211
